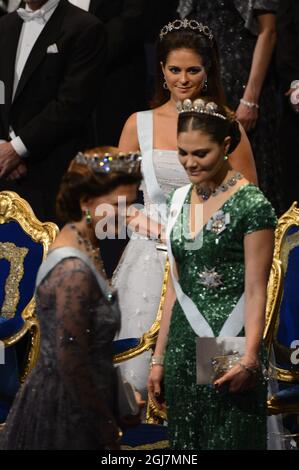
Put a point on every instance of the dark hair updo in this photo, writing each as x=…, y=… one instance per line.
x=201, y=44
x=81, y=180
x=214, y=126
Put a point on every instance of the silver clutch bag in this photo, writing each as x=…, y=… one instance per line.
x=215, y=356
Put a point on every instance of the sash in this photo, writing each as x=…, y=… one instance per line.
x=145, y=138
x=235, y=321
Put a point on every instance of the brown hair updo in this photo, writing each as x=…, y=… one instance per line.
x=211, y=125
x=187, y=38
x=81, y=180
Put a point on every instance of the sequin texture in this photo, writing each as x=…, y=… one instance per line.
x=199, y=416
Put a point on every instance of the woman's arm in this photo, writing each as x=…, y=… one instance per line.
x=242, y=160
x=248, y=114
x=258, y=259
x=128, y=141
x=258, y=248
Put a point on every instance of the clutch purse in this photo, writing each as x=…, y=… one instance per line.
x=215, y=356
x=222, y=364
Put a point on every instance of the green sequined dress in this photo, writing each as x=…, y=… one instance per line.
x=199, y=416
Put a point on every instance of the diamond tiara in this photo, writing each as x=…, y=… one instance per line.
x=192, y=24
x=110, y=162
x=199, y=106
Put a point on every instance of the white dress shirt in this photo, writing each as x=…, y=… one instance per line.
x=29, y=34
x=12, y=5
x=83, y=4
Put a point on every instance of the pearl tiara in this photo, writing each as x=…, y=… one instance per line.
x=110, y=162
x=199, y=106
x=192, y=24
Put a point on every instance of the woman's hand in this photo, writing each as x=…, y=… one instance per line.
x=154, y=384
x=247, y=116
x=293, y=94
x=241, y=377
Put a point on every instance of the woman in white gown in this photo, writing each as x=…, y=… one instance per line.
x=188, y=66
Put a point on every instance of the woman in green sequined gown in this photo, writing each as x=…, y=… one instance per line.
x=214, y=277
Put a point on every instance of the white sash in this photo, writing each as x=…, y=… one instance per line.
x=145, y=138
x=235, y=321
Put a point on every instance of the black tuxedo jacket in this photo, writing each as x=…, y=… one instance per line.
x=129, y=24
x=55, y=96
x=287, y=51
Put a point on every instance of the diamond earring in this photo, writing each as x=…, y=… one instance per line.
x=87, y=215
x=205, y=85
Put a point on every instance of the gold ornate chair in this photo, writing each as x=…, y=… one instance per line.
x=24, y=243
x=282, y=325
x=152, y=434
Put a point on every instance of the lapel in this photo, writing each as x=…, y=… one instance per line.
x=48, y=36
x=8, y=57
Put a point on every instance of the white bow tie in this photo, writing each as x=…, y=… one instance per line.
x=31, y=15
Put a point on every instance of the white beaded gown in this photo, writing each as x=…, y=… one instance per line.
x=139, y=275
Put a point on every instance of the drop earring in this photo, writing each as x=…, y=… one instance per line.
x=205, y=85
x=87, y=215
x=165, y=85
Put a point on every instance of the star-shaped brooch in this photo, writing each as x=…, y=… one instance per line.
x=210, y=278
x=218, y=222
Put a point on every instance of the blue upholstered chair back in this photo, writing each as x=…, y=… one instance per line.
x=282, y=320
x=24, y=242
x=12, y=239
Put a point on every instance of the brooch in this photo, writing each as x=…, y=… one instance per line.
x=218, y=222
x=210, y=278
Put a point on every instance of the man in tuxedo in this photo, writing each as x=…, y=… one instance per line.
x=288, y=70
x=51, y=63
x=130, y=26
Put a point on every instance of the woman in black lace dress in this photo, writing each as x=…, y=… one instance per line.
x=245, y=34
x=67, y=402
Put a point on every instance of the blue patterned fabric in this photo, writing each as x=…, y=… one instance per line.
x=9, y=372
x=123, y=345
x=288, y=328
x=13, y=232
x=145, y=435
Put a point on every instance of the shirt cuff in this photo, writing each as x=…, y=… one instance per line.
x=295, y=84
x=19, y=147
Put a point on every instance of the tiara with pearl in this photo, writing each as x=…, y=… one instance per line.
x=199, y=106
x=192, y=24
x=110, y=162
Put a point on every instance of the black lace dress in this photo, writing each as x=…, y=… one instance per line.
x=67, y=401
x=234, y=25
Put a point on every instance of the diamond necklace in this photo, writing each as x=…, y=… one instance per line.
x=93, y=253
x=206, y=193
